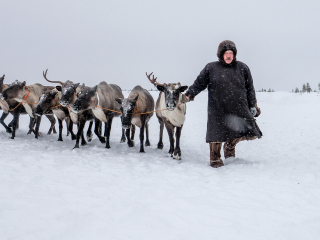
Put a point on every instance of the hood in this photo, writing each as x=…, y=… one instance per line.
x=225, y=46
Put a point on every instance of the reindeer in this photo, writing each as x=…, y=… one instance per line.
x=21, y=97
x=100, y=99
x=137, y=110
x=171, y=99
x=69, y=91
x=48, y=102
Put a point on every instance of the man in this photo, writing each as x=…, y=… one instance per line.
x=232, y=103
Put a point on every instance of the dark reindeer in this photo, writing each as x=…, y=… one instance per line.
x=69, y=92
x=133, y=108
x=171, y=99
x=21, y=98
x=49, y=102
x=100, y=100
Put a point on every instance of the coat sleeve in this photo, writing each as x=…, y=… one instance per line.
x=251, y=94
x=200, y=84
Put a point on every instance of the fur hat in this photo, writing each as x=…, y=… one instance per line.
x=225, y=46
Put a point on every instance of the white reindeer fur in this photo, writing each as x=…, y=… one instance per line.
x=175, y=117
x=98, y=112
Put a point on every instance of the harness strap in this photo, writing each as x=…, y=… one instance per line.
x=20, y=102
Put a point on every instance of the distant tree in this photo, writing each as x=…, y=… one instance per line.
x=319, y=86
x=315, y=90
x=308, y=88
x=297, y=90
x=304, y=88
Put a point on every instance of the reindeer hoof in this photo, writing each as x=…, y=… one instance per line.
x=103, y=139
x=89, y=138
x=131, y=144
x=73, y=137
x=60, y=139
x=123, y=140
x=9, y=130
x=83, y=143
x=177, y=157
x=142, y=151
x=160, y=145
x=147, y=143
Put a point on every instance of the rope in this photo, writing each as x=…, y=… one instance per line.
x=19, y=103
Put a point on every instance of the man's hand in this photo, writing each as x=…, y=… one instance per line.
x=185, y=98
x=253, y=111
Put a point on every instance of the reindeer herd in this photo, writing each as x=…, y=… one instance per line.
x=77, y=104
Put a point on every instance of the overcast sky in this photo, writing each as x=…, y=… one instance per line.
x=118, y=41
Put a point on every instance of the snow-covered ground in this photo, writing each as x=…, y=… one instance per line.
x=270, y=191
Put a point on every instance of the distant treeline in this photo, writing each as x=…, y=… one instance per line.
x=305, y=88
x=265, y=90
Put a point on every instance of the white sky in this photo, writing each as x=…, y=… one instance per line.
x=118, y=41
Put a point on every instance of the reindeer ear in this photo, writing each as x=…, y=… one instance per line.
x=160, y=88
x=136, y=98
x=59, y=88
x=23, y=84
x=119, y=100
x=95, y=88
x=183, y=88
x=1, y=79
x=76, y=85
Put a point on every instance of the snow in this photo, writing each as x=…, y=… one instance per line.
x=271, y=190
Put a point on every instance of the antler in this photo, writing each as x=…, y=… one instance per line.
x=45, y=76
x=153, y=80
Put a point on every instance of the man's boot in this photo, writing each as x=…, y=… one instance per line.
x=215, y=155
x=229, y=147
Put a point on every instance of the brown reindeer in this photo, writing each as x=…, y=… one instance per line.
x=49, y=102
x=69, y=91
x=171, y=101
x=17, y=95
x=133, y=111
x=100, y=99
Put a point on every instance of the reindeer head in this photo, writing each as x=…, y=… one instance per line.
x=172, y=92
x=128, y=108
x=16, y=90
x=67, y=89
x=87, y=97
x=46, y=102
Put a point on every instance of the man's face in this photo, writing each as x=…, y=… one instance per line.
x=228, y=56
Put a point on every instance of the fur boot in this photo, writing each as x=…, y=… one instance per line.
x=215, y=155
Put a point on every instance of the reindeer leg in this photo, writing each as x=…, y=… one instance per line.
x=130, y=142
x=133, y=131
x=80, y=132
x=31, y=126
x=170, y=130
x=147, y=135
x=160, y=143
x=3, y=117
x=123, y=136
x=53, y=122
x=14, y=124
x=177, y=150
x=97, y=130
x=70, y=127
x=142, y=134
x=60, y=129
x=67, y=120
x=108, y=130
x=38, y=120
x=89, y=132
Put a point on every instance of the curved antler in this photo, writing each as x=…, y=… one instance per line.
x=45, y=76
x=153, y=80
